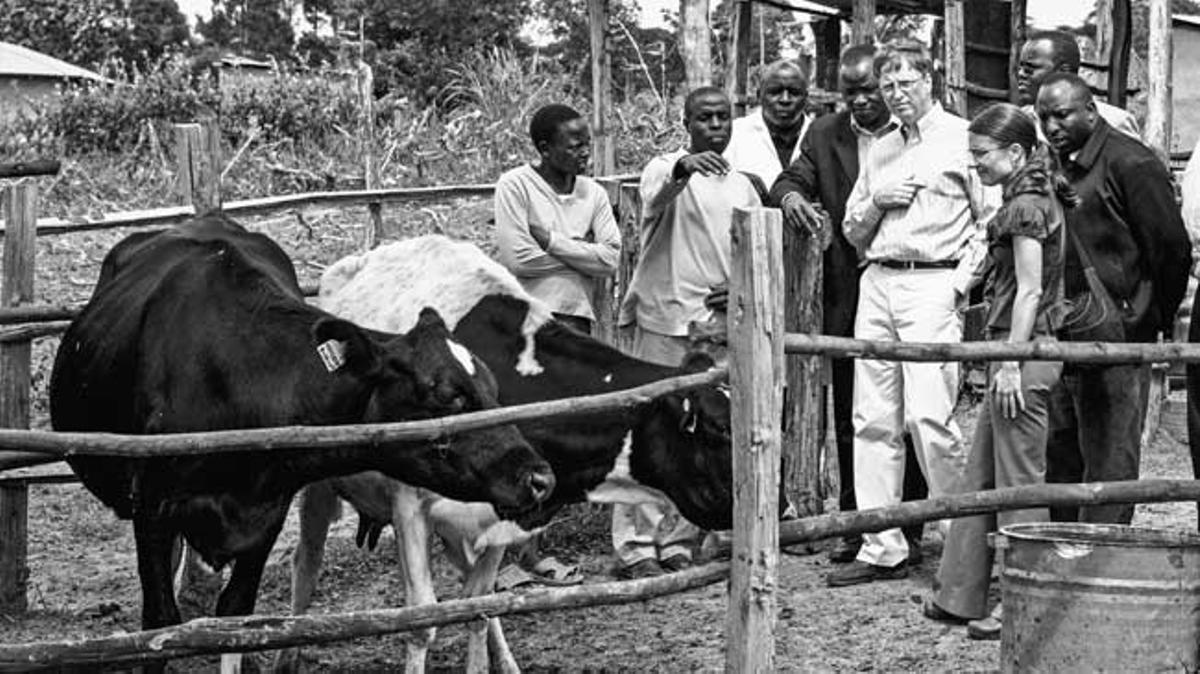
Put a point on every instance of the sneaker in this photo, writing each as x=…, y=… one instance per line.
x=987, y=629
x=646, y=568
x=856, y=573
x=675, y=563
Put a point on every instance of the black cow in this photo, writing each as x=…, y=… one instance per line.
x=677, y=445
x=203, y=327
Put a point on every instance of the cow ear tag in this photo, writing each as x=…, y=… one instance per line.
x=332, y=353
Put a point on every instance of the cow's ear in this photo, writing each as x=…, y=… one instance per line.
x=430, y=319
x=343, y=345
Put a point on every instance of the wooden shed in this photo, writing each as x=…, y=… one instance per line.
x=27, y=76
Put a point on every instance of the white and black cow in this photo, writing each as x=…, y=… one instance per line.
x=203, y=327
x=675, y=447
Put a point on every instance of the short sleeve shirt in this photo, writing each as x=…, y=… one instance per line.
x=1039, y=217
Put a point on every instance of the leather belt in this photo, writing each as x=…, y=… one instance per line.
x=917, y=264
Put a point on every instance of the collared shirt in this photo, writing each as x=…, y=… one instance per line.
x=867, y=138
x=752, y=150
x=585, y=242
x=944, y=220
x=685, y=245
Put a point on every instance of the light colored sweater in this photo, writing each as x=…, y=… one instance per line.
x=585, y=242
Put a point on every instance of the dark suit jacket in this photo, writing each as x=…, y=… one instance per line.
x=825, y=173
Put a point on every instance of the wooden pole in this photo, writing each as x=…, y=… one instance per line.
x=1118, y=65
x=604, y=289
x=1158, y=114
x=198, y=152
x=1104, y=42
x=366, y=139
x=1017, y=34
x=16, y=287
x=695, y=43
x=862, y=25
x=804, y=419
x=829, y=33
x=956, y=58
x=737, y=81
x=756, y=365
x=630, y=222
x=603, y=149
x=1073, y=352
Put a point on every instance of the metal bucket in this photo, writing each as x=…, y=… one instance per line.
x=1099, y=598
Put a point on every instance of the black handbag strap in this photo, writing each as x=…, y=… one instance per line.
x=1084, y=256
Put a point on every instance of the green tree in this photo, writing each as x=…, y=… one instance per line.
x=251, y=27
x=91, y=32
x=155, y=28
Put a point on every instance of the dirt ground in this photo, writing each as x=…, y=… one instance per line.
x=83, y=578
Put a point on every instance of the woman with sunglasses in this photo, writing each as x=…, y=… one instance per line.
x=1025, y=290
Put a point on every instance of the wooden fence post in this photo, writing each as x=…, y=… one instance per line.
x=956, y=58
x=631, y=250
x=755, y=369
x=1017, y=31
x=603, y=145
x=20, y=248
x=737, y=77
x=862, y=26
x=804, y=424
x=695, y=43
x=366, y=139
x=604, y=292
x=198, y=153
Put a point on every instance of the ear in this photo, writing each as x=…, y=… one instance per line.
x=697, y=361
x=343, y=345
x=430, y=319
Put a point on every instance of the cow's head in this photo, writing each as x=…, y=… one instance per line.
x=424, y=374
x=687, y=435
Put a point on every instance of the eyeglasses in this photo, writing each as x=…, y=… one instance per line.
x=893, y=86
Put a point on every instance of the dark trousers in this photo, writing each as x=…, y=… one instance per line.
x=1193, y=393
x=915, y=487
x=1096, y=416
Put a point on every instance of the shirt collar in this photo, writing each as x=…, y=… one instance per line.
x=891, y=125
x=926, y=123
x=1087, y=155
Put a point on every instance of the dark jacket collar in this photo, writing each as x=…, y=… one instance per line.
x=1095, y=143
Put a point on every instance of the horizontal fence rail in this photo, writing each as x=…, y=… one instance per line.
x=58, y=445
x=257, y=633
x=171, y=215
x=1069, y=352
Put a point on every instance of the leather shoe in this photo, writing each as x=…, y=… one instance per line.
x=915, y=554
x=987, y=629
x=646, y=568
x=675, y=563
x=856, y=573
x=931, y=610
x=845, y=552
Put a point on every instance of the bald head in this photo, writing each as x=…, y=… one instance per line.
x=1066, y=112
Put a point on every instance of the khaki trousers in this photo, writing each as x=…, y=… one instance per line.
x=907, y=305
x=1005, y=453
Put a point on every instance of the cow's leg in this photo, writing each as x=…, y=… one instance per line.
x=241, y=592
x=500, y=651
x=480, y=579
x=412, y=541
x=318, y=509
x=154, y=540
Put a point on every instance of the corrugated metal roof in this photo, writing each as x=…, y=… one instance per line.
x=1192, y=20
x=16, y=60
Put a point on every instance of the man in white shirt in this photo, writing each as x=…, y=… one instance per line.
x=688, y=197
x=767, y=139
x=1054, y=51
x=555, y=229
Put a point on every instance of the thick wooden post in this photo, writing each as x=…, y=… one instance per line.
x=366, y=139
x=1118, y=64
x=1158, y=113
x=862, y=26
x=737, y=81
x=956, y=58
x=198, y=153
x=803, y=416
x=603, y=149
x=829, y=52
x=16, y=288
x=604, y=290
x=695, y=43
x=629, y=214
x=1017, y=33
x=755, y=368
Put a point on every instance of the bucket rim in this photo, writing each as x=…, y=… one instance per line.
x=1112, y=535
